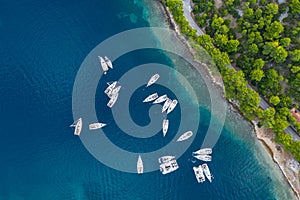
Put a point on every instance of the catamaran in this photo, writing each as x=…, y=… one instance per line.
x=78, y=126
x=151, y=97
x=110, y=87
x=165, y=126
x=161, y=99
x=203, y=151
x=205, y=158
x=164, y=159
x=95, y=126
x=153, y=79
x=166, y=105
x=168, y=167
x=172, y=106
x=199, y=174
x=185, y=136
x=207, y=172
x=103, y=64
x=113, y=100
x=108, y=62
x=140, y=165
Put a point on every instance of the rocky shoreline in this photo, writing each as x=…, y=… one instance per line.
x=265, y=136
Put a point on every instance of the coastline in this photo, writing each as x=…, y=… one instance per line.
x=266, y=137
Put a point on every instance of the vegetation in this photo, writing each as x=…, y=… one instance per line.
x=266, y=49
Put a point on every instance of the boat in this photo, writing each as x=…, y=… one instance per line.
x=165, y=126
x=205, y=158
x=185, y=136
x=166, y=105
x=140, y=165
x=95, y=126
x=108, y=62
x=114, y=91
x=203, y=151
x=161, y=99
x=103, y=64
x=113, y=100
x=164, y=159
x=207, y=172
x=172, y=106
x=199, y=174
x=110, y=87
x=168, y=167
x=153, y=79
x=151, y=97
x=78, y=126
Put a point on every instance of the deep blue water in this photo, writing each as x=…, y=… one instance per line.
x=42, y=45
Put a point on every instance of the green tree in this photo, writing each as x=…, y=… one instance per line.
x=295, y=69
x=285, y=101
x=285, y=42
x=273, y=31
x=257, y=75
x=232, y=45
x=221, y=40
x=274, y=100
x=217, y=23
x=249, y=13
x=267, y=118
x=253, y=49
x=294, y=6
x=271, y=9
x=280, y=123
x=279, y=55
x=258, y=63
x=295, y=55
x=270, y=83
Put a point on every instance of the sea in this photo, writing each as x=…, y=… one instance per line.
x=43, y=44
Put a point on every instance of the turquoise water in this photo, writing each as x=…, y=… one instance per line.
x=43, y=43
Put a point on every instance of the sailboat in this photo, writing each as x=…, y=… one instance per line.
x=95, y=126
x=152, y=80
x=165, y=126
x=140, y=165
x=103, y=64
x=78, y=126
x=172, y=106
x=108, y=62
x=185, y=136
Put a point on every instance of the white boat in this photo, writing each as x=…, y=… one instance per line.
x=151, y=97
x=140, y=165
x=168, y=167
x=207, y=172
x=166, y=105
x=153, y=79
x=103, y=64
x=95, y=126
x=205, y=158
x=113, y=100
x=161, y=99
x=110, y=87
x=116, y=90
x=165, y=126
x=172, y=106
x=164, y=159
x=78, y=126
x=203, y=151
x=199, y=174
x=185, y=136
x=108, y=62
